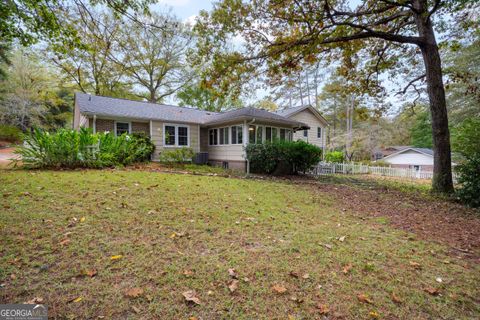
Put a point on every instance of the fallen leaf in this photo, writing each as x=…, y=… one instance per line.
x=363, y=298
x=373, y=315
x=233, y=285
x=415, y=265
x=191, y=296
x=323, y=308
x=294, y=274
x=432, y=291
x=91, y=273
x=36, y=300
x=232, y=273
x=188, y=273
x=306, y=276
x=246, y=279
x=279, y=289
x=78, y=299
x=82, y=219
x=395, y=298
x=342, y=238
x=64, y=242
x=134, y=292
x=13, y=276
x=328, y=246
x=135, y=309
x=119, y=256
x=347, y=268
x=439, y=280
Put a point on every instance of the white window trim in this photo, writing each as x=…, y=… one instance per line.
x=243, y=134
x=176, y=125
x=218, y=138
x=115, y=126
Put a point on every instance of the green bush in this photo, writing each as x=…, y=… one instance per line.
x=10, y=134
x=297, y=156
x=335, y=157
x=465, y=141
x=180, y=155
x=82, y=149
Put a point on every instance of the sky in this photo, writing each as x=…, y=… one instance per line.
x=186, y=9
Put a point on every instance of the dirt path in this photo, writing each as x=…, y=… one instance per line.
x=5, y=155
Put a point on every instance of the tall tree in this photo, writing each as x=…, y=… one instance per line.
x=155, y=60
x=280, y=35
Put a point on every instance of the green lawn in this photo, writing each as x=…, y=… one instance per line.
x=173, y=233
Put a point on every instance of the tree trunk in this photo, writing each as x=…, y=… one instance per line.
x=442, y=162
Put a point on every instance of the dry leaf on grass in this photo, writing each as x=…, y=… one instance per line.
x=134, y=292
x=342, y=238
x=415, y=265
x=323, y=308
x=347, y=268
x=64, y=242
x=373, y=315
x=395, y=298
x=294, y=274
x=119, y=256
x=75, y=300
x=432, y=291
x=91, y=273
x=35, y=300
x=188, y=273
x=277, y=288
x=233, y=285
x=13, y=276
x=232, y=273
x=191, y=296
x=135, y=309
x=306, y=276
x=363, y=298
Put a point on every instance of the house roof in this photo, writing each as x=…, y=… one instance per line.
x=123, y=108
x=288, y=112
x=253, y=113
x=425, y=151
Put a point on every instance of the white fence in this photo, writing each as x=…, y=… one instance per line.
x=324, y=168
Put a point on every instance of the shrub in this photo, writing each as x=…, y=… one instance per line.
x=469, y=181
x=180, y=155
x=465, y=140
x=10, y=133
x=296, y=155
x=82, y=149
x=335, y=157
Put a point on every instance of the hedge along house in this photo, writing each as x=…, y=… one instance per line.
x=221, y=137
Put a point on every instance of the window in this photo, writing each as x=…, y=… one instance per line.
x=268, y=134
x=183, y=136
x=223, y=135
x=259, y=134
x=176, y=135
x=305, y=133
x=169, y=135
x=213, y=137
x=283, y=134
x=121, y=128
x=289, y=135
x=319, y=132
x=237, y=135
x=274, y=133
x=252, y=134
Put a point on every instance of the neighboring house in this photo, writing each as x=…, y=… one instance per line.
x=412, y=158
x=379, y=154
x=317, y=134
x=222, y=136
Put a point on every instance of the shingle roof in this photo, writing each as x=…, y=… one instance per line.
x=253, y=113
x=114, y=107
x=424, y=150
x=288, y=111
x=106, y=106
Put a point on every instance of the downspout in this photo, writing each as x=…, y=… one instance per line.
x=94, y=123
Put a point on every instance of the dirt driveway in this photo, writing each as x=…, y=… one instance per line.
x=6, y=155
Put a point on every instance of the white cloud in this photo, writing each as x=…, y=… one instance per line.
x=190, y=20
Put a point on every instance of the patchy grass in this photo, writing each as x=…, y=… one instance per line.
x=176, y=233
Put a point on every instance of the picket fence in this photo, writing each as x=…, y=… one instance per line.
x=324, y=168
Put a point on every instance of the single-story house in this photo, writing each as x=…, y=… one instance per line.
x=222, y=136
x=412, y=158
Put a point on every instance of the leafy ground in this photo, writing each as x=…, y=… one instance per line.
x=133, y=244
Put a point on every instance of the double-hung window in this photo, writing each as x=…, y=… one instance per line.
x=319, y=132
x=223, y=135
x=237, y=134
x=121, y=128
x=259, y=134
x=176, y=135
x=305, y=133
x=213, y=137
x=252, y=133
